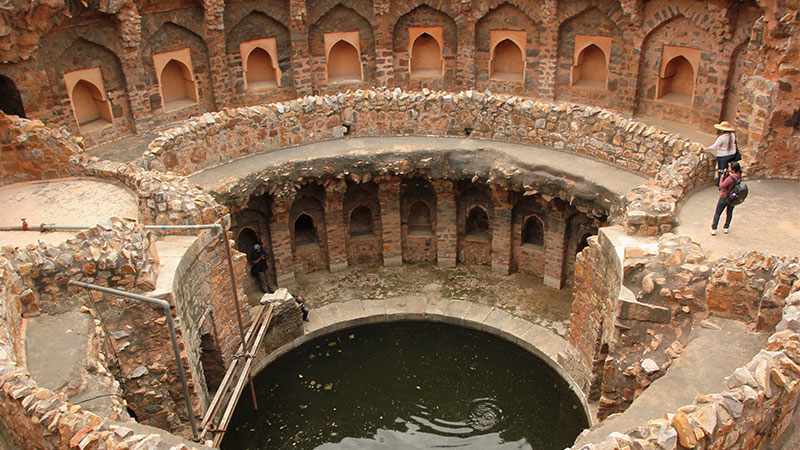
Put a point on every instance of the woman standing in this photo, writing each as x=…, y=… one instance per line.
x=725, y=147
x=733, y=177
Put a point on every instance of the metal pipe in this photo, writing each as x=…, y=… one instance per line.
x=236, y=303
x=170, y=324
x=45, y=227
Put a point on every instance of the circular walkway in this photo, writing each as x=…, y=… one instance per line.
x=65, y=201
x=769, y=220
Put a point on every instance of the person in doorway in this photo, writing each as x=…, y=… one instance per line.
x=724, y=147
x=301, y=302
x=258, y=258
x=730, y=177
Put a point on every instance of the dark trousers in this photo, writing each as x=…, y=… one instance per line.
x=722, y=165
x=722, y=204
x=305, y=312
x=263, y=280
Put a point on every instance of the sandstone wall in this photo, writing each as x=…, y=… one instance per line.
x=30, y=151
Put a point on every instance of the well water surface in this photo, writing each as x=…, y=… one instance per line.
x=407, y=386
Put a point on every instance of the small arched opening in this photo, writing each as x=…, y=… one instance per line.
x=178, y=88
x=419, y=218
x=305, y=231
x=477, y=225
x=10, y=99
x=260, y=73
x=426, y=57
x=361, y=223
x=676, y=84
x=507, y=62
x=533, y=231
x=246, y=239
x=590, y=69
x=91, y=111
x=344, y=63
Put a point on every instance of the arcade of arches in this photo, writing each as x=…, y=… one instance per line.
x=699, y=63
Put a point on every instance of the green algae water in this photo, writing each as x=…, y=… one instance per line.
x=407, y=386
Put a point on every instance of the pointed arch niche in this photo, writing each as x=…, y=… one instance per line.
x=260, y=64
x=88, y=98
x=507, y=55
x=590, y=61
x=678, y=74
x=343, y=57
x=176, y=79
x=425, y=45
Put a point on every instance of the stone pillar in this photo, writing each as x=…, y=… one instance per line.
x=389, y=196
x=446, y=230
x=282, y=241
x=500, y=227
x=215, y=42
x=336, y=225
x=301, y=60
x=130, y=30
x=384, y=56
x=548, y=52
x=554, y=237
x=465, y=63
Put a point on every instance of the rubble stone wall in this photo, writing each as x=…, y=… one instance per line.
x=755, y=409
x=30, y=151
x=115, y=254
x=214, y=138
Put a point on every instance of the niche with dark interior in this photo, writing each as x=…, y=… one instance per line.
x=305, y=232
x=477, y=224
x=533, y=231
x=211, y=359
x=10, y=99
x=361, y=223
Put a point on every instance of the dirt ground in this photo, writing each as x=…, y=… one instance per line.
x=522, y=295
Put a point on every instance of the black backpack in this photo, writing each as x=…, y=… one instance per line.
x=737, y=195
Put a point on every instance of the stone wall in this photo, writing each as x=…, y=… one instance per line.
x=30, y=151
x=752, y=287
x=652, y=208
x=38, y=417
x=214, y=138
x=203, y=298
x=115, y=254
x=164, y=199
x=756, y=409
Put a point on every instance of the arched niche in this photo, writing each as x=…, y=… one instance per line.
x=419, y=218
x=175, y=79
x=477, y=225
x=246, y=239
x=533, y=231
x=260, y=64
x=361, y=222
x=507, y=55
x=305, y=231
x=88, y=98
x=591, y=60
x=676, y=79
x=343, y=60
x=10, y=99
x=425, y=48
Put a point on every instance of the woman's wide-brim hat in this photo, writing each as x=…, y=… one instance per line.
x=724, y=126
